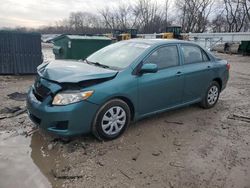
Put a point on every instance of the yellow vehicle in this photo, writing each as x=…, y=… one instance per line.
x=124, y=36
x=172, y=32
x=175, y=30
x=165, y=36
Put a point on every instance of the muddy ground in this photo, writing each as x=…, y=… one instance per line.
x=188, y=147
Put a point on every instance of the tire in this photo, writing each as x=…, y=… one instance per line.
x=212, y=95
x=107, y=127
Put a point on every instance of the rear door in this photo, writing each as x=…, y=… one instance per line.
x=197, y=71
x=163, y=89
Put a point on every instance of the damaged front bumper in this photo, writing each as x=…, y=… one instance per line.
x=68, y=120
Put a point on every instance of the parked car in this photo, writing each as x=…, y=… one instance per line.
x=124, y=82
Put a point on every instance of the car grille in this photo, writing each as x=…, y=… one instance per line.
x=40, y=91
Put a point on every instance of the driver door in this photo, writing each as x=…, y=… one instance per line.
x=163, y=89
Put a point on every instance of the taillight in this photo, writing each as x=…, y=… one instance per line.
x=228, y=66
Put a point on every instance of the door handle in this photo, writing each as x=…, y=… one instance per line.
x=208, y=66
x=178, y=73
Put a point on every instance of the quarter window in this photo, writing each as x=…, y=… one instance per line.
x=193, y=54
x=164, y=57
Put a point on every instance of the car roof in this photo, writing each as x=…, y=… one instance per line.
x=159, y=41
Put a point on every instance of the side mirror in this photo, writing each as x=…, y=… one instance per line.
x=149, y=68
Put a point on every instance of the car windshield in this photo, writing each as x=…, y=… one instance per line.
x=118, y=55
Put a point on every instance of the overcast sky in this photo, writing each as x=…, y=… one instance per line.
x=35, y=13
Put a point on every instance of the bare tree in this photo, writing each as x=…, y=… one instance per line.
x=219, y=24
x=167, y=20
x=109, y=18
x=81, y=21
x=194, y=14
x=235, y=15
x=124, y=16
x=120, y=17
x=145, y=16
x=148, y=15
x=167, y=6
x=246, y=5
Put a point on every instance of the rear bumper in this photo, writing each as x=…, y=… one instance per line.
x=68, y=120
x=225, y=80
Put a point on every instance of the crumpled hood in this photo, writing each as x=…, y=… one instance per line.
x=69, y=71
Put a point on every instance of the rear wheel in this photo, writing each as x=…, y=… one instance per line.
x=111, y=120
x=212, y=95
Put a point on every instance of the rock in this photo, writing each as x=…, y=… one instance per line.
x=176, y=164
x=64, y=174
x=102, y=152
x=135, y=157
x=156, y=153
x=223, y=126
x=171, y=185
x=174, y=122
x=21, y=120
x=176, y=142
x=50, y=147
x=20, y=132
x=100, y=163
x=178, y=149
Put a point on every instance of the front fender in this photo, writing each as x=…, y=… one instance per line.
x=122, y=86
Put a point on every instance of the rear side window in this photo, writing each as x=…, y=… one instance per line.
x=164, y=57
x=193, y=54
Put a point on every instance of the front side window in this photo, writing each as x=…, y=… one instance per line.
x=164, y=57
x=193, y=54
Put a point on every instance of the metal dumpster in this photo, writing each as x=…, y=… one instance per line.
x=245, y=47
x=78, y=46
x=20, y=52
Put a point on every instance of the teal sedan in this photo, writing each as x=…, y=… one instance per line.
x=124, y=82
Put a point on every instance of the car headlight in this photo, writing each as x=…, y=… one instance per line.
x=70, y=97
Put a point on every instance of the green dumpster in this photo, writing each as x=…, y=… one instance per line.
x=244, y=47
x=78, y=46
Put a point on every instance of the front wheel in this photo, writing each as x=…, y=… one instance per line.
x=212, y=95
x=111, y=120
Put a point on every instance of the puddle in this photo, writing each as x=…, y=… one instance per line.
x=26, y=162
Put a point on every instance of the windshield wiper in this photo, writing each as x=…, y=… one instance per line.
x=100, y=65
x=97, y=64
